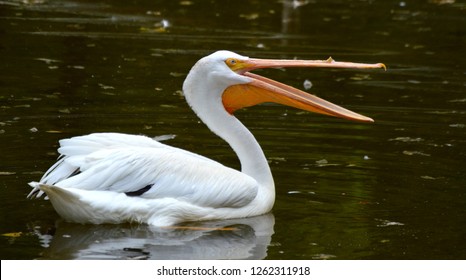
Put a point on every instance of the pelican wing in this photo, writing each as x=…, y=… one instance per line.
x=140, y=166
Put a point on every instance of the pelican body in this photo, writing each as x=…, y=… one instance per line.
x=117, y=178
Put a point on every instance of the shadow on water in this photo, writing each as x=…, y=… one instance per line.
x=391, y=190
x=233, y=239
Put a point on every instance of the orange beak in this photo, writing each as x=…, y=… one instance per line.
x=261, y=89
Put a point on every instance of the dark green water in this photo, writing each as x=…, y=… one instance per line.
x=395, y=189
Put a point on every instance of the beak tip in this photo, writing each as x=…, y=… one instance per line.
x=381, y=65
x=361, y=118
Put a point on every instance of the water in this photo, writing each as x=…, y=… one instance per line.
x=394, y=189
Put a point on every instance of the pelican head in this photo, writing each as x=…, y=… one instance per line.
x=224, y=78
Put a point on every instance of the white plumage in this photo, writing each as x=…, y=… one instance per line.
x=108, y=167
x=115, y=178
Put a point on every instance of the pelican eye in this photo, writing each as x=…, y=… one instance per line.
x=231, y=62
x=234, y=64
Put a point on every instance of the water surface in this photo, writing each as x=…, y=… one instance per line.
x=395, y=189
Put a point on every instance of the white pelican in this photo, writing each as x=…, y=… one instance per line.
x=116, y=178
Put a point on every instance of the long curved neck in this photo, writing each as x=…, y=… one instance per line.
x=252, y=158
x=229, y=128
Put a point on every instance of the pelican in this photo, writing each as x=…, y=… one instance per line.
x=117, y=178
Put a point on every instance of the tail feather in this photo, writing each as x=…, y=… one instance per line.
x=67, y=203
x=96, y=207
x=36, y=191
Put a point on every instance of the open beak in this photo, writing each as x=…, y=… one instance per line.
x=261, y=89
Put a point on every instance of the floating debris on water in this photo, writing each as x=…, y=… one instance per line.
x=48, y=60
x=425, y=177
x=387, y=223
x=12, y=234
x=293, y=192
x=6, y=173
x=64, y=111
x=251, y=16
x=412, y=153
x=307, y=84
x=280, y=159
x=102, y=86
x=164, y=137
x=324, y=162
x=406, y=139
x=458, y=125
x=79, y=67
x=323, y=256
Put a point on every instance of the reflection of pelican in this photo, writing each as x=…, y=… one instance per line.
x=113, y=178
x=246, y=238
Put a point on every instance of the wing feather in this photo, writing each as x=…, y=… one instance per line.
x=127, y=163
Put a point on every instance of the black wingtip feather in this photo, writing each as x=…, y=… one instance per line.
x=140, y=191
